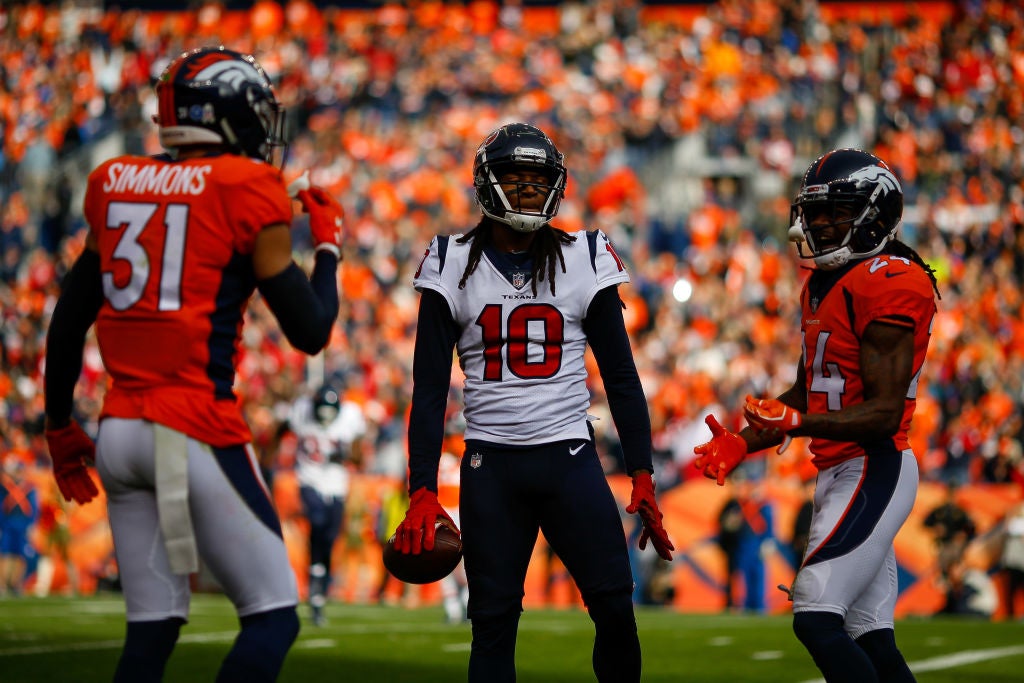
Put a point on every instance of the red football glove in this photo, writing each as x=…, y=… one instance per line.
x=326, y=218
x=416, y=531
x=71, y=450
x=767, y=414
x=722, y=454
x=643, y=502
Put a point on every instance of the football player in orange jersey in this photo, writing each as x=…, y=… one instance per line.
x=867, y=311
x=177, y=244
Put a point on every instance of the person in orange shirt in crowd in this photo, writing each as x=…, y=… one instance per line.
x=177, y=245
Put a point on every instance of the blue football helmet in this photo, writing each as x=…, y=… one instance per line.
x=326, y=405
x=861, y=199
x=213, y=95
x=518, y=146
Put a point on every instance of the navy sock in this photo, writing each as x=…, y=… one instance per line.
x=616, y=644
x=840, y=659
x=261, y=646
x=492, y=658
x=880, y=647
x=147, y=647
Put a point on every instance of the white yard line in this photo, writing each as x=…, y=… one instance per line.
x=956, y=659
x=110, y=644
x=965, y=657
x=226, y=636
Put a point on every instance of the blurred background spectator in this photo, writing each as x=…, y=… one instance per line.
x=745, y=525
x=953, y=529
x=1012, y=561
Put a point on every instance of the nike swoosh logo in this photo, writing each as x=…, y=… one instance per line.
x=889, y=273
x=574, y=451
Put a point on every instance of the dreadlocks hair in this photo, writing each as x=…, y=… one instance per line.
x=545, y=251
x=897, y=248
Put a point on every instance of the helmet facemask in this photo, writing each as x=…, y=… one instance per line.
x=512, y=212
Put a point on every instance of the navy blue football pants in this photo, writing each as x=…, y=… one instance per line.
x=507, y=495
x=325, y=517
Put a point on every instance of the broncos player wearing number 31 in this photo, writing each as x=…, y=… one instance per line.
x=520, y=300
x=177, y=244
x=867, y=311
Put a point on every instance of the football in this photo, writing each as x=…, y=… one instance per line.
x=428, y=566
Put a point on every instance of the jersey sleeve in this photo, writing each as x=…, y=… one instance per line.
x=608, y=267
x=897, y=296
x=428, y=273
x=258, y=198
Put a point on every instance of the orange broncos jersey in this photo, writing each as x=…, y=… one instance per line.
x=885, y=288
x=175, y=242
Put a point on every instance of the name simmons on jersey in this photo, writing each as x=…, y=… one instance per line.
x=165, y=179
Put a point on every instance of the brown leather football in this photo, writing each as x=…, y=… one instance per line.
x=428, y=566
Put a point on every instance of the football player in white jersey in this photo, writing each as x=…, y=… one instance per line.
x=329, y=433
x=520, y=300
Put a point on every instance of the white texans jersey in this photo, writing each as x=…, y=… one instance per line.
x=320, y=450
x=522, y=355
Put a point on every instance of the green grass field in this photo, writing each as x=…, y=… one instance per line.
x=78, y=640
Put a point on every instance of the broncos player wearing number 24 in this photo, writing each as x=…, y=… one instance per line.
x=867, y=311
x=177, y=244
x=520, y=300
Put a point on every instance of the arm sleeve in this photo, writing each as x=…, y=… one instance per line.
x=436, y=336
x=305, y=309
x=606, y=334
x=79, y=304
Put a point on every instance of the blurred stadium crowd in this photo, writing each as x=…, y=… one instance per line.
x=685, y=130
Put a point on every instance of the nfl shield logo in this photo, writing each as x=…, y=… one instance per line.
x=518, y=280
x=475, y=460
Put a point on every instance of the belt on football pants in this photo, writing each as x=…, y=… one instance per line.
x=172, y=500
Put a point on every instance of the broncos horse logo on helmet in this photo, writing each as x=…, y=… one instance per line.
x=213, y=95
x=518, y=146
x=856, y=192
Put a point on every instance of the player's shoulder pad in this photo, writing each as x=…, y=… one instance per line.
x=604, y=260
x=235, y=169
x=441, y=244
x=101, y=170
x=887, y=273
x=434, y=258
x=592, y=246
